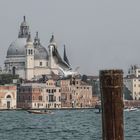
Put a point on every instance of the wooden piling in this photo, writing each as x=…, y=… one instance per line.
x=111, y=85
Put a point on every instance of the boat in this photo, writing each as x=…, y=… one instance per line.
x=131, y=109
x=39, y=111
x=98, y=107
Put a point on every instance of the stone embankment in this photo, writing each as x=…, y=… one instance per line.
x=132, y=103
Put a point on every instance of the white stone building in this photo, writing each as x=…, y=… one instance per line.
x=29, y=59
x=132, y=82
x=8, y=96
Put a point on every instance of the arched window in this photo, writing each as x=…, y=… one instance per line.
x=14, y=70
x=28, y=51
x=31, y=51
x=8, y=96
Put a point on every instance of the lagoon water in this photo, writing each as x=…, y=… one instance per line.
x=61, y=125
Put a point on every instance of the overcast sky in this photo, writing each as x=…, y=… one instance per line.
x=98, y=34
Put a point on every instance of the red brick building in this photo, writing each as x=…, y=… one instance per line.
x=39, y=95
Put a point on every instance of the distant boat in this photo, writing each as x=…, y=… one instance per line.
x=98, y=107
x=39, y=111
x=131, y=109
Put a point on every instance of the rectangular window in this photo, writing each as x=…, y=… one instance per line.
x=40, y=98
x=40, y=63
x=19, y=98
x=46, y=63
x=50, y=98
x=59, y=99
x=54, y=98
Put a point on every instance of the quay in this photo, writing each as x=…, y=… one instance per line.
x=22, y=109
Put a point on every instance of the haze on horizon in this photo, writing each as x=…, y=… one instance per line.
x=98, y=34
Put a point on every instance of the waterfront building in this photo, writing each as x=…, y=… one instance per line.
x=8, y=96
x=29, y=96
x=76, y=93
x=63, y=93
x=132, y=82
x=30, y=59
x=66, y=93
x=52, y=94
x=39, y=95
x=95, y=83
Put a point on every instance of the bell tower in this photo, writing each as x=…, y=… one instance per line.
x=29, y=64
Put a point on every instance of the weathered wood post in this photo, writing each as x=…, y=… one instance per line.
x=111, y=85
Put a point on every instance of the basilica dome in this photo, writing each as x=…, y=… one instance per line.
x=17, y=48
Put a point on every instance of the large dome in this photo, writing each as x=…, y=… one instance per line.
x=17, y=48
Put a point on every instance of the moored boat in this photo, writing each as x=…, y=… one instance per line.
x=131, y=109
x=39, y=111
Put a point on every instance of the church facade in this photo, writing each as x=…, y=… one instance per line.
x=30, y=60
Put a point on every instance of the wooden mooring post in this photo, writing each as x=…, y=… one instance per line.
x=111, y=85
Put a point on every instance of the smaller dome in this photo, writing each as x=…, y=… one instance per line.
x=41, y=52
x=24, y=23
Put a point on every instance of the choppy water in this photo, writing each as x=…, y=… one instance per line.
x=62, y=125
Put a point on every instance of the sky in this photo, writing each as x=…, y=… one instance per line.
x=97, y=34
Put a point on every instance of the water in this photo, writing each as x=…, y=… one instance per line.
x=62, y=125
